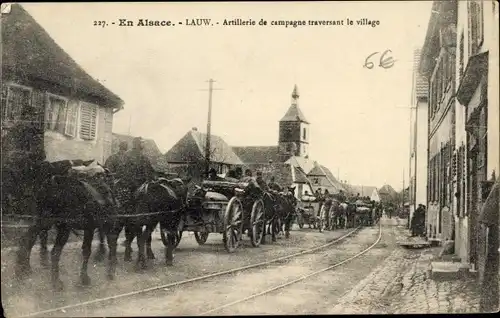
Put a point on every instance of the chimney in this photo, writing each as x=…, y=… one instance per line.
x=194, y=129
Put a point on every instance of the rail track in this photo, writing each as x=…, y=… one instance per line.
x=217, y=274
x=272, y=289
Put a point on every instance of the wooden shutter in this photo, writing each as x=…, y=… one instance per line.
x=71, y=119
x=88, y=121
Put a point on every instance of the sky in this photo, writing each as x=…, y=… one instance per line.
x=359, y=116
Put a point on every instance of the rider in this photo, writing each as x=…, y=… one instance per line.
x=273, y=185
x=137, y=167
x=212, y=175
x=115, y=162
x=260, y=181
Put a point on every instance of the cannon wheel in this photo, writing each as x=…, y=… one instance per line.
x=178, y=237
x=258, y=223
x=201, y=237
x=233, y=224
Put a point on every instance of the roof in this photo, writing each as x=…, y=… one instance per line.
x=317, y=171
x=294, y=114
x=306, y=164
x=387, y=190
x=421, y=83
x=151, y=149
x=282, y=172
x=258, y=154
x=364, y=191
x=191, y=148
x=29, y=51
x=300, y=175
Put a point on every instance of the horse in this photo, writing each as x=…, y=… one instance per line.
x=280, y=211
x=335, y=214
x=350, y=212
x=69, y=202
x=161, y=201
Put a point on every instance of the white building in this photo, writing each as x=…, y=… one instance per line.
x=477, y=117
x=418, y=138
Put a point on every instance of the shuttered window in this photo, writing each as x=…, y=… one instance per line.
x=71, y=119
x=88, y=121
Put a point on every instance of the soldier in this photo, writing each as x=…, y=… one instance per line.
x=273, y=185
x=212, y=175
x=260, y=181
x=115, y=162
x=137, y=167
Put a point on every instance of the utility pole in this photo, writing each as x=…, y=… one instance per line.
x=209, y=125
x=130, y=125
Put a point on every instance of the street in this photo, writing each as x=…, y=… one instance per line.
x=315, y=295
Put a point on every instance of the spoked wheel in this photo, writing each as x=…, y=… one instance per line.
x=201, y=237
x=163, y=233
x=258, y=222
x=233, y=225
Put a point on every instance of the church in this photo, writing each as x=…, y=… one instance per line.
x=288, y=161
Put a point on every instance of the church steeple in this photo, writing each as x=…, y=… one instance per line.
x=294, y=113
x=294, y=129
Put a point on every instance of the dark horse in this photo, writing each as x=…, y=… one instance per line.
x=280, y=211
x=159, y=201
x=69, y=202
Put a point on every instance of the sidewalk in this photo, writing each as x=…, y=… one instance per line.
x=400, y=285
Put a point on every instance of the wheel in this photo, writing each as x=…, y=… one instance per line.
x=201, y=237
x=178, y=237
x=233, y=224
x=258, y=223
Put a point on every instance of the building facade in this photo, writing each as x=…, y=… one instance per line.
x=478, y=157
x=73, y=111
x=460, y=61
x=438, y=66
x=418, y=139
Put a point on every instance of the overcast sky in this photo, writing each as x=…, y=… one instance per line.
x=359, y=124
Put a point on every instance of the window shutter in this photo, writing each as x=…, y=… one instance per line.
x=70, y=129
x=88, y=121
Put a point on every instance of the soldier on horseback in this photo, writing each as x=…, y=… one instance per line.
x=115, y=162
x=273, y=185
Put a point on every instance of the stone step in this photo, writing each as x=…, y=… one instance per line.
x=445, y=271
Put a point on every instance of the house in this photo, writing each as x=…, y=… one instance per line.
x=188, y=155
x=460, y=60
x=478, y=116
x=418, y=139
x=375, y=196
x=387, y=194
x=150, y=149
x=72, y=110
x=438, y=66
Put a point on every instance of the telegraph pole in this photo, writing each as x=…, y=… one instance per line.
x=209, y=125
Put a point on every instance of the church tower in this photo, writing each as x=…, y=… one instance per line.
x=294, y=130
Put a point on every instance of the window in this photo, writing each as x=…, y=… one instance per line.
x=18, y=99
x=476, y=26
x=56, y=112
x=304, y=136
x=71, y=119
x=88, y=121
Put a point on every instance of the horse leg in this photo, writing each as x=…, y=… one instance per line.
x=88, y=235
x=63, y=232
x=129, y=237
x=23, y=268
x=44, y=252
x=101, y=252
x=169, y=249
x=288, y=225
x=149, y=238
x=141, y=257
x=112, y=237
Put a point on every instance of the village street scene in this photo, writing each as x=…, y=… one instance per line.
x=301, y=159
